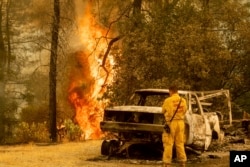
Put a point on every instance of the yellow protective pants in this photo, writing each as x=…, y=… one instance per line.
x=176, y=137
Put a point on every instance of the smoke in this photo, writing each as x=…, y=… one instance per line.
x=80, y=7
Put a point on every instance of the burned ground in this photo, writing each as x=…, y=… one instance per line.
x=87, y=153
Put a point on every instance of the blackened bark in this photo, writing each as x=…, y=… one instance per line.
x=136, y=14
x=2, y=47
x=53, y=70
x=137, y=7
x=2, y=69
x=8, y=4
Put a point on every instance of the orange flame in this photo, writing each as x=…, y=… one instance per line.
x=87, y=80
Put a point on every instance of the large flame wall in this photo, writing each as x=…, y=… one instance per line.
x=88, y=77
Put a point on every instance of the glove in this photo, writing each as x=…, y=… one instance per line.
x=167, y=128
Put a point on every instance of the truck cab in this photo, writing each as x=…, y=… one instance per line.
x=141, y=121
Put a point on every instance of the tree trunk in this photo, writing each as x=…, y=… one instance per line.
x=2, y=47
x=137, y=7
x=2, y=72
x=53, y=72
x=8, y=56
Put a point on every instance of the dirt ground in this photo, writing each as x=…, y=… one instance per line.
x=87, y=154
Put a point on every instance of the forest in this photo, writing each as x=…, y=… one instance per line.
x=63, y=61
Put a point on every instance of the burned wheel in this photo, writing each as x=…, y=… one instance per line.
x=109, y=147
x=114, y=146
x=105, y=147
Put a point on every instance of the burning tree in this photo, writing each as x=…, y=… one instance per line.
x=91, y=74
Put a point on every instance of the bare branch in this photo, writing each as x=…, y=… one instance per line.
x=106, y=55
x=108, y=49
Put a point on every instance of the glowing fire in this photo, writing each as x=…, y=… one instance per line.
x=87, y=80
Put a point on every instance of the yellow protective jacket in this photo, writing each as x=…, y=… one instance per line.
x=169, y=106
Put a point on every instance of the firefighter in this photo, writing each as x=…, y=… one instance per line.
x=177, y=127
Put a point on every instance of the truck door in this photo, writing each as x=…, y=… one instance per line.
x=198, y=132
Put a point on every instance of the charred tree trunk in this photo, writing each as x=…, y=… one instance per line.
x=137, y=12
x=53, y=70
x=2, y=47
x=137, y=7
x=2, y=72
x=8, y=4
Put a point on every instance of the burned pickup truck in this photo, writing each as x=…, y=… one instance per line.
x=141, y=122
